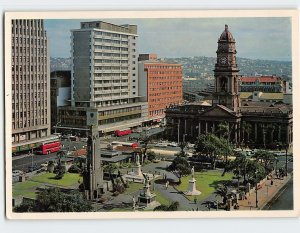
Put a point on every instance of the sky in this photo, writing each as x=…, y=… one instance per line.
x=266, y=38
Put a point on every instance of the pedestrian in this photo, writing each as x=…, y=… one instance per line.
x=195, y=200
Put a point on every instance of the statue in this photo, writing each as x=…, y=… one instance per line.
x=133, y=203
x=193, y=172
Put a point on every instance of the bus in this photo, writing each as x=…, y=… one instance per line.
x=120, y=133
x=49, y=146
x=127, y=144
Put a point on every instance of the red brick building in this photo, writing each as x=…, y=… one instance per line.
x=161, y=84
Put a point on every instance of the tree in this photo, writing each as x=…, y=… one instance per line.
x=110, y=169
x=53, y=200
x=146, y=140
x=180, y=167
x=265, y=158
x=172, y=207
x=211, y=146
x=60, y=169
x=182, y=146
x=222, y=191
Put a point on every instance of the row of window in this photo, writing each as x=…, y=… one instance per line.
x=111, y=34
x=119, y=119
x=29, y=123
x=111, y=95
x=165, y=72
x=113, y=75
x=164, y=93
x=110, y=61
x=31, y=104
x=165, y=67
x=111, y=55
x=27, y=49
x=29, y=41
x=110, y=67
x=29, y=113
x=111, y=41
x=38, y=77
x=121, y=110
x=40, y=85
x=157, y=112
x=27, y=59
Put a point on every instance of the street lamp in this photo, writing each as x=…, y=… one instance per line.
x=55, y=127
x=256, y=198
x=286, y=161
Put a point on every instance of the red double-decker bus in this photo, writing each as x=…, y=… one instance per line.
x=49, y=146
x=120, y=133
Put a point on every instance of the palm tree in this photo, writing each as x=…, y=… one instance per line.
x=146, y=140
x=182, y=146
x=222, y=191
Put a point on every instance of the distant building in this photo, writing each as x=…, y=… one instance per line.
x=161, y=84
x=104, y=77
x=60, y=82
x=192, y=96
x=271, y=84
x=30, y=84
x=257, y=96
x=259, y=124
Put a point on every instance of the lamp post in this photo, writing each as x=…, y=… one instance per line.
x=286, y=161
x=56, y=125
x=178, y=129
x=256, y=198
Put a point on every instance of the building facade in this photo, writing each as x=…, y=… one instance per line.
x=259, y=124
x=104, y=77
x=161, y=84
x=60, y=88
x=264, y=84
x=30, y=84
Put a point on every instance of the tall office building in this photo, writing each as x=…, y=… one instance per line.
x=104, y=77
x=161, y=85
x=30, y=84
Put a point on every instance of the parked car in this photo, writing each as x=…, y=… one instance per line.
x=161, y=145
x=173, y=144
x=84, y=139
x=32, y=168
x=17, y=173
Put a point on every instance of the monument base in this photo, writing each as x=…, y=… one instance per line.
x=192, y=191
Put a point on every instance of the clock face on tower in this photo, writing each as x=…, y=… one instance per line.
x=223, y=60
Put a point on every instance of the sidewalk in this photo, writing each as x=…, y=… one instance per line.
x=264, y=194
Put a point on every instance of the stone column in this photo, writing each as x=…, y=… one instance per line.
x=279, y=133
x=199, y=129
x=255, y=132
x=235, y=132
x=184, y=126
x=206, y=127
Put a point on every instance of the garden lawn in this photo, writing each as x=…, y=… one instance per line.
x=161, y=199
x=133, y=187
x=68, y=180
x=28, y=188
x=25, y=189
x=206, y=183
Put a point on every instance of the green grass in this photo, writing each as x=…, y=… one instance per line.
x=68, y=180
x=206, y=183
x=133, y=187
x=161, y=199
x=27, y=188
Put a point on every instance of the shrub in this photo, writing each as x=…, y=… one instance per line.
x=74, y=169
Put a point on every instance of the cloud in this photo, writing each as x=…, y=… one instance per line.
x=265, y=38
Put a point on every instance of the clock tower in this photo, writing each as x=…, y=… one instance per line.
x=226, y=73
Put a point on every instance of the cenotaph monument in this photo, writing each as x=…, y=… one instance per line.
x=192, y=191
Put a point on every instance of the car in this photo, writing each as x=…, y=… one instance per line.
x=161, y=145
x=173, y=144
x=83, y=139
x=17, y=173
x=32, y=168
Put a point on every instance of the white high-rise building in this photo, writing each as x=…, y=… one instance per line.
x=105, y=76
x=30, y=84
